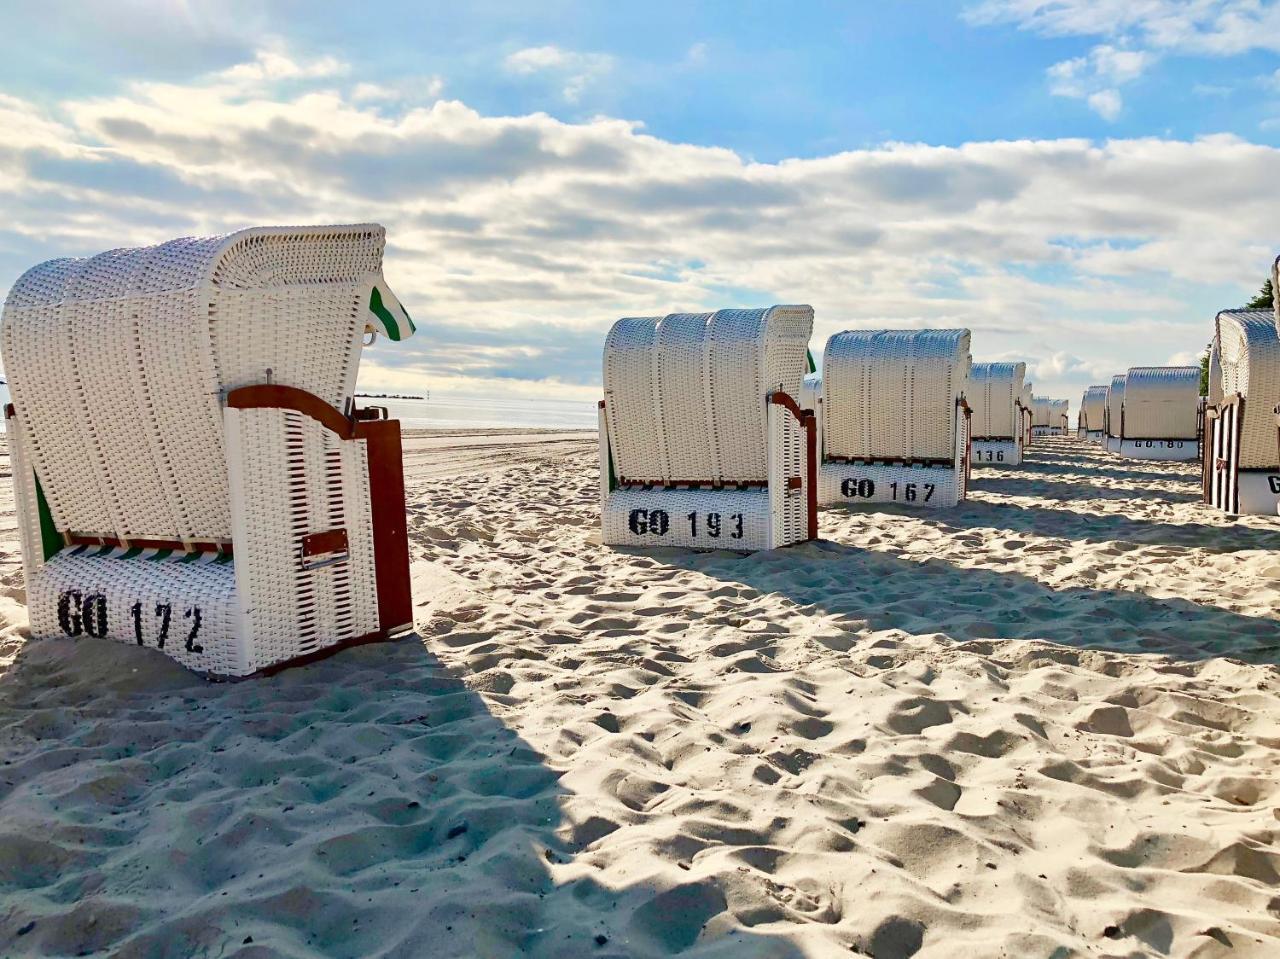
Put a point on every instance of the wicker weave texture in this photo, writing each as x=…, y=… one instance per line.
x=185, y=609
x=1115, y=404
x=891, y=394
x=993, y=394
x=1162, y=402
x=1248, y=351
x=925, y=487
x=770, y=515
x=25, y=502
x=788, y=463
x=116, y=364
x=739, y=519
x=290, y=477
x=685, y=393
x=913, y=486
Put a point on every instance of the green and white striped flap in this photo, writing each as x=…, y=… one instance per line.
x=154, y=555
x=386, y=314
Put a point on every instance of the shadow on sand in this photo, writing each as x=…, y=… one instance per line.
x=925, y=596
x=1102, y=527
x=1059, y=489
x=367, y=804
x=1088, y=463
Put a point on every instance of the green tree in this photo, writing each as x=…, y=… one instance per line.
x=1204, y=371
x=1265, y=299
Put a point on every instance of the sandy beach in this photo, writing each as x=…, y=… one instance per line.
x=1043, y=724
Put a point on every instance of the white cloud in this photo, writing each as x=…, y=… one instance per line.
x=271, y=65
x=696, y=55
x=1136, y=33
x=1210, y=27
x=516, y=240
x=576, y=71
x=413, y=89
x=1095, y=78
x=1106, y=103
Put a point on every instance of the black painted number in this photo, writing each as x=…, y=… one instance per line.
x=911, y=491
x=193, y=614
x=80, y=614
x=713, y=524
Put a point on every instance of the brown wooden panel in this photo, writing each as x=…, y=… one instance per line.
x=330, y=541
x=271, y=396
x=390, y=525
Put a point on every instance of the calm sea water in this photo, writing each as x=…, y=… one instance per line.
x=484, y=412
x=459, y=412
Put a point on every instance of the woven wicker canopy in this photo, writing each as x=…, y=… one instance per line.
x=994, y=390
x=1162, y=402
x=116, y=363
x=1245, y=361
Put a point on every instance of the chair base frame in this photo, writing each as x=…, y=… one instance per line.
x=997, y=452
x=338, y=566
x=745, y=517
x=1091, y=436
x=1252, y=491
x=1170, y=450
x=914, y=485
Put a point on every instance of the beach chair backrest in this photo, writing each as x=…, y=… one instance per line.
x=117, y=364
x=1115, y=404
x=1040, y=411
x=686, y=393
x=1093, y=408
x=1162, y=402
x=1247, y=348
x=993, y=392
x=891, y=394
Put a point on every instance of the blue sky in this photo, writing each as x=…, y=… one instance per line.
x=1082, y=182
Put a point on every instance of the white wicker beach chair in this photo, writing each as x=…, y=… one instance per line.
x=1160, y=413
x=702, y=442
x=1091, y=423
x=190, y=472
x=1049, y=416
x=1060, y=416
x=1241, y=465
x=1114, y=407
x=893, y=421
x=995, y=399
